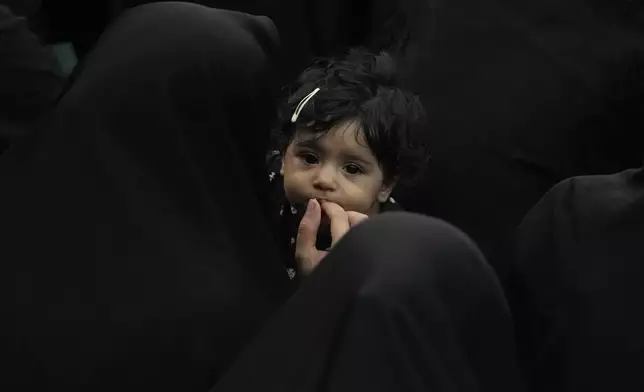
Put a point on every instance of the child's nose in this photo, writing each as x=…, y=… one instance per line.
x=325, y=179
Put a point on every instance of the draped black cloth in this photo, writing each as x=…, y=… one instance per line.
x=22, y=7
x=30, y=79
x=576, y=290
x=521, y=95
x=126, y=224
x=403, y=303
x=308, y=28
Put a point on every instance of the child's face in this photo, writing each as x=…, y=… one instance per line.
x=338, y=167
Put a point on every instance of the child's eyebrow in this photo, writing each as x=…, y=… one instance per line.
x=310, y=143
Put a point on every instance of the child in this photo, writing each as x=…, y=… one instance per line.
x=347, y=134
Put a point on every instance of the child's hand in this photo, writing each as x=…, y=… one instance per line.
x=306, y=253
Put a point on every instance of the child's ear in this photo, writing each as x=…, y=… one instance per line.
x=385, y=190
x=282, y=168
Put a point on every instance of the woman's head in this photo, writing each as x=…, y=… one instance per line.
x=355, y=138
x=181, y=90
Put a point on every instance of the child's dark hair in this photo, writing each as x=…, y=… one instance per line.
x=361, y=86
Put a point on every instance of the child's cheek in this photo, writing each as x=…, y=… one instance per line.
x=293, y=190
x=357, y=201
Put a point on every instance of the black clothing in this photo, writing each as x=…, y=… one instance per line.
x=78, y=22
x=403, y=303
x=308, y=28
x=521, y=95
x=576, y=289
x=24, y=8
x=30, y=79
x=123, y=266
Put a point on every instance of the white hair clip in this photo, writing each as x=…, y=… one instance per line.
x=302, y=104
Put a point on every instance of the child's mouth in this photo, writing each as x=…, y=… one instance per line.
x=305, y=202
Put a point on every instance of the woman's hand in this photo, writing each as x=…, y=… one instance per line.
x=307, y=255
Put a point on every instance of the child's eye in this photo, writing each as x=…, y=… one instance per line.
x=308, y=158
x=353, y=169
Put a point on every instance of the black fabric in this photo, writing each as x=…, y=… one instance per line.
x=308, y=28
x=313, y=28
x=521, y=95
x=30, y=79
x=60, y=20
x=72, y=21
x=22, y=7
x=135, y=253
x=403, y=303
x=576, y=289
